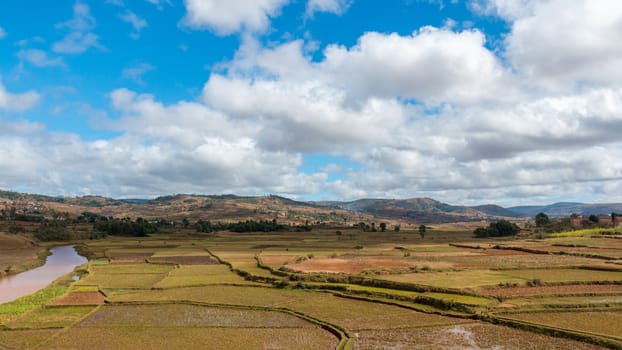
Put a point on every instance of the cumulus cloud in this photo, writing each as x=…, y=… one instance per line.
x=565, y=45
x=558, y=44
x=191, y=148
x=432, y=65
x=337, y=7
x=489, y=134
x=80, y=37
x=230, y=16
x=17, y=102
x=433, y=113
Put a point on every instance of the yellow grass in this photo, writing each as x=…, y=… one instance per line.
x=588, y=232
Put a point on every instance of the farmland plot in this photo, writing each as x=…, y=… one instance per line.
x=192, y=327
x=465, y=336
x=608, y=323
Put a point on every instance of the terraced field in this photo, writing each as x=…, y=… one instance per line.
x=320, y=290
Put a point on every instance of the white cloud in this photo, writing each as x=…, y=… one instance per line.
x=136, y=73
x=337, y=7
x=82, y=20
x=185, y=147
x=568, y=44
x=2, y=33
x=159, y=3
x=432, y=65
x=137, y=23
x=306, y=116
x=507, y=9
x=230, y=16
x=17, y=102
x=435, y=113
x=80, y=38
x=39, y=58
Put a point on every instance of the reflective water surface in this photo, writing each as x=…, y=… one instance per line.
x=62, y=261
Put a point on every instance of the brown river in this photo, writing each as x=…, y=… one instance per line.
x=62, y=261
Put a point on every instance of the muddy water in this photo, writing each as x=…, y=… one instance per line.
x=62, y=261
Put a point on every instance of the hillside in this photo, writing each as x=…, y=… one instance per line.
x=495, y=210
x=178, y=207
x=423, y=210
x=231, y=207
x=567, y=209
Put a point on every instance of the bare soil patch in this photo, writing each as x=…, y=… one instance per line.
x=185, y=260
x=80, y=298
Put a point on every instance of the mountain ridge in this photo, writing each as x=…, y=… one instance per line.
x=231, y=206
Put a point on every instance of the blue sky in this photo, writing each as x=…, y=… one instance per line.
x=465, y=101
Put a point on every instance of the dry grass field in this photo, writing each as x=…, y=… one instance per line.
x=18, y=253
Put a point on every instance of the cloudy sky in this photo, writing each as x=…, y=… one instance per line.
x=465, y=101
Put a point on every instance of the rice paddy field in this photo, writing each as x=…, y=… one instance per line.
x=322, y=290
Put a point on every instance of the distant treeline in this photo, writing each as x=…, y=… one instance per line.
x=249, y=226
x=57, y=230
x=125, y=228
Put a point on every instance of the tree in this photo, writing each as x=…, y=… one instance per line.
x=542, y=220
x=593, y=218
x=361, y=226
x=498, y=229
x=383, y=227
x=422, y=230
x=397, y=228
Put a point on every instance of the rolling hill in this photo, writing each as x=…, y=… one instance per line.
x=231, y=207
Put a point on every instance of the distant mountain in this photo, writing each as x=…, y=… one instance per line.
x=567, y=209
x=233, y=207
x=495, y=210
x=422, y=210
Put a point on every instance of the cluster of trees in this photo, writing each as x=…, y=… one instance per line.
x=501, y=228
x=382, y=227
x=546, y=224
x=126, y=227
x=249, y=226
x=52, y=231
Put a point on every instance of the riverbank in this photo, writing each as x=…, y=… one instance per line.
x=19, y=253
x=62, y=260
